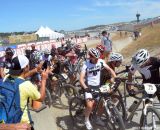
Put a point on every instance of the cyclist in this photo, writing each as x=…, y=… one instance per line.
x=148, y=67
x=19, y=68
x=46, y=58
x=6, y=61
x=115, y=60
x=90, y=79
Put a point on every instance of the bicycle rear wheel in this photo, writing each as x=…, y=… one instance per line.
x=150, y=121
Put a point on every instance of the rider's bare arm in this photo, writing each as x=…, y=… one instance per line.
x=2, y=72
x=82, y=81
x=43, y=84
x=110, y=70
x=35, y=70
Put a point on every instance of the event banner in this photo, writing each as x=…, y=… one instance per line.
x=20, y=49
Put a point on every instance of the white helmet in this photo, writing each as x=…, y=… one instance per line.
x=46, y=51
x=115, y=57
x=94, y=52
x=140, y=57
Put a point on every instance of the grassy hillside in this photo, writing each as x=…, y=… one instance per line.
x=150, y=40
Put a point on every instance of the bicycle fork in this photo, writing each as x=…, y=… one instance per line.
x=107, y=108
x=146, y=105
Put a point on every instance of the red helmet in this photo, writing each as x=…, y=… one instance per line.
x=100, y=47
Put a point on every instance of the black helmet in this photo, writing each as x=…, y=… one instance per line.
x=9, y=51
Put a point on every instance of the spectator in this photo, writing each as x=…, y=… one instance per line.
x=107, y=43
x=19, y=68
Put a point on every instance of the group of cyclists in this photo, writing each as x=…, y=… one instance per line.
x=98, y=69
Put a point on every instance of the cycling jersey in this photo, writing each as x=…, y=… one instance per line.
x=93, y=72
x=150, y=73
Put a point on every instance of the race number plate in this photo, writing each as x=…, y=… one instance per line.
x=150, y=88
x=105, y=88
x=64, y=76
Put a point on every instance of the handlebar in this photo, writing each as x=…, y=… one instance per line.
x=113, y=89
x=137, y=85
x=125, y=70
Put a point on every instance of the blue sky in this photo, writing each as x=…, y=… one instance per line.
x=29, y=15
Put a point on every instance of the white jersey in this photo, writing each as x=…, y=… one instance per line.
x=93, y=72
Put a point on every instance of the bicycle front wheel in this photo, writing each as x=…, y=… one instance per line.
x=114, y=118
x=150, y=121
x=67, y=92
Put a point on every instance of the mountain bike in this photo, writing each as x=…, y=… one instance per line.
x=63, y=91
x=150, y=117
x=111, y=116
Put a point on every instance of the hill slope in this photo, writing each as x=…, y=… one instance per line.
x=150, y=40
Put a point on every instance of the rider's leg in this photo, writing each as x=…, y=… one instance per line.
x=89, y=107
x=88, y=110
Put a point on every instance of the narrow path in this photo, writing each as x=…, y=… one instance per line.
x=120, y=44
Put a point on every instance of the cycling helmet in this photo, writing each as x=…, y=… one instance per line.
x=140, y=57
x=100, y=47
x=115, y=57
x=94, y=52
x=35, y=56
x=46, y=51
x=9, y=51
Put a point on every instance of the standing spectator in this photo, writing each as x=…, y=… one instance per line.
x=19, y=68
x=107, y=43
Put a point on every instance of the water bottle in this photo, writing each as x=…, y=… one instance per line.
x=133, y=106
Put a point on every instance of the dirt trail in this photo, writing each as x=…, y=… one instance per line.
x=120, y=44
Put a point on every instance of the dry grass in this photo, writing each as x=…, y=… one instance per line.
x=93, y=43
x=150, y=40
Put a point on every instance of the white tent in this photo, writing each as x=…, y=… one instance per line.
x=47, y=32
